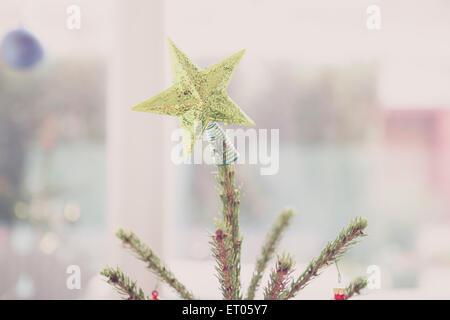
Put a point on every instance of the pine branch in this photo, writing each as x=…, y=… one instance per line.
x=223, y=259
x=123, y=284
x=279, y=278
x=332, y=252
x=355, y=287
x=230, y=197
x=147, y=255
x=268, y=249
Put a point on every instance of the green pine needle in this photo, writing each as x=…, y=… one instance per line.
x=355, y=287
x=268, y=249
x=123, y=284
x=279, y=277
x=147, y=255
x=229, y=221
x=332, y=252
x=224, y=259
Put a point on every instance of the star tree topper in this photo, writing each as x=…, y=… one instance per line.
x=197, y=97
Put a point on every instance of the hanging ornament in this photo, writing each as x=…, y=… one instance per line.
x=155, y=295
x=21, y=50
x=340, y=292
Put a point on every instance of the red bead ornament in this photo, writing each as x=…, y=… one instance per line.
x=339, y=294
x=155, y=295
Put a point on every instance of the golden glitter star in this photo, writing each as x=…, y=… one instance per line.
x=197, y=97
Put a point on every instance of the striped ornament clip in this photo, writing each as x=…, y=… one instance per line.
x=224, y=152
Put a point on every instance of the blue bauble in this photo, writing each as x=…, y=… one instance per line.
x=21, y=50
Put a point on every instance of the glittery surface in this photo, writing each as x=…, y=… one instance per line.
x=197, y=97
